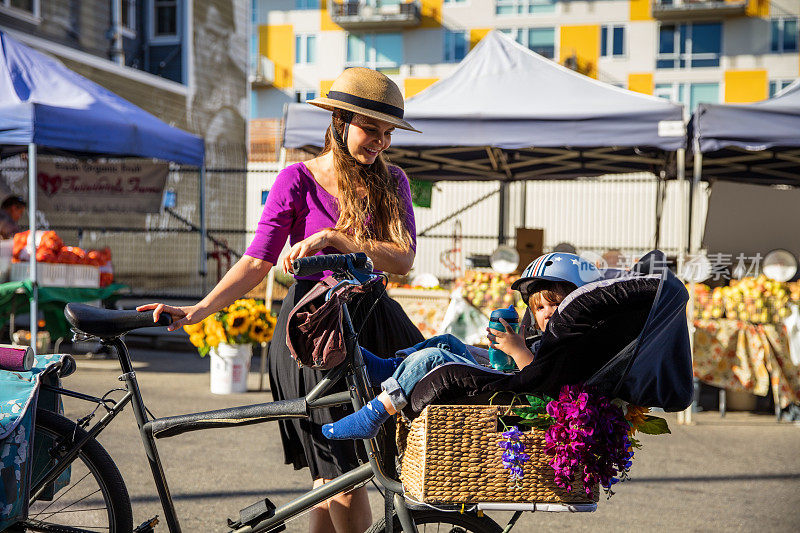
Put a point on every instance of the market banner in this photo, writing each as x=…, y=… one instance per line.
x=135, y=186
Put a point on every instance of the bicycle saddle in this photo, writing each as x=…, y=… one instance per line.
x=109, y=323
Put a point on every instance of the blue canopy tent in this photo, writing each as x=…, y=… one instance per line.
x=44, y=106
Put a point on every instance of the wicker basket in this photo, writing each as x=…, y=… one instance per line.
x=451, y=456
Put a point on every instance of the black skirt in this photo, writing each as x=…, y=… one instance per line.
x=386, y=330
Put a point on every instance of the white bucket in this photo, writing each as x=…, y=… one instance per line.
x=230, y=364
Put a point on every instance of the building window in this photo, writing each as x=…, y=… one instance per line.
x=164, y=20
x=776, y=86
x=455, y=1
x=381, y=51
x=689, y=94
x=304, y=48
x=689, y=45
x=540, y=40
x=128, y=17
x=783, y=35
x=306, y=4
x=612, y=41
x=521, y=7
x=23, y=8
x=456, y=44
x=303, y=95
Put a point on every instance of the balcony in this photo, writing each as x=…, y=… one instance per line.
x=262, y=71
x=690, y=9
x=372, y=14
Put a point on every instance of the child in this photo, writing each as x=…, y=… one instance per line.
x=543, y=285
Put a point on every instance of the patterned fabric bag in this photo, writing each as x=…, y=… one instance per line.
x=19, y=398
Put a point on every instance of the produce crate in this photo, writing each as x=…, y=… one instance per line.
x=58, y=274
x=451, y=456
x=425, y=307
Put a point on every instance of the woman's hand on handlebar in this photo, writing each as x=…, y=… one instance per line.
x=181, y=316
x=306, y=247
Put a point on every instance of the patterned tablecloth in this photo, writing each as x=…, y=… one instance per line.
x=747, y=357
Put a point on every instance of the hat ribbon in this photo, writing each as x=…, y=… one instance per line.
x=366, y=103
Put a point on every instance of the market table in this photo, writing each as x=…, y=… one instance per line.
x=748, y=357
x=15, y=298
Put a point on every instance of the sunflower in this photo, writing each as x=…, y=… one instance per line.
x=214, y=327
x=192, y=329
x=259, y=331
x=237, y=322
x=197, y=339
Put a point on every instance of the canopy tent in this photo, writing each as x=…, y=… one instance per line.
x=757, y=143
x=46, y=106
x=507, y=114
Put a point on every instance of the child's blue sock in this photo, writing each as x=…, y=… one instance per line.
x=363, y=424
x=378, y=369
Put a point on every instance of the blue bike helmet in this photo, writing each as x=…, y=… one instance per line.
x=557, y=266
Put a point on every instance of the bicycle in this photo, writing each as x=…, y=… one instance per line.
x=96, y=497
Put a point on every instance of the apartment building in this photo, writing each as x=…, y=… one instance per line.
x=690, y=51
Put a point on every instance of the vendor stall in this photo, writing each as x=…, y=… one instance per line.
x=47, y=108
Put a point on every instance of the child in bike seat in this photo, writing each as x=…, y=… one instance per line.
x=543, y=285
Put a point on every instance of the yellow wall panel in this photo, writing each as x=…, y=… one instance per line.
x=324, y=87
x=431, y=13
x=582, y=42
x=641, y=83
x=744, y=86
x=755, y=8
x=277, y=43
x=325, y=21
x=640, y=10
x=475, y=36
x=413, y=86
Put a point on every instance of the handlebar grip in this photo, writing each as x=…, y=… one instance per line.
x=306, y=266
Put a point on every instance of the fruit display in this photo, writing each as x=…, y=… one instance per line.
x=425, y=307
x=759, y=300
x=489, y=291
x=51, y=249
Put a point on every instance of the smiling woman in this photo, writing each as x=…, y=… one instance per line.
x=348, y=199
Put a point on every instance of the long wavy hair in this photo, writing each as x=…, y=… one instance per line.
x=379, y=215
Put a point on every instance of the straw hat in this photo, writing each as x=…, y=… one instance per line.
x=366, y=92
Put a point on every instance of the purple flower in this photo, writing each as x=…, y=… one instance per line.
x=588, y=441
x=513, y=457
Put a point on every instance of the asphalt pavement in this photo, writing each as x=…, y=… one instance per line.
x=738, y=473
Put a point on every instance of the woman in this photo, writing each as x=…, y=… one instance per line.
x=345, y=200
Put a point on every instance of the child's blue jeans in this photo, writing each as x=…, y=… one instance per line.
x=421, y=359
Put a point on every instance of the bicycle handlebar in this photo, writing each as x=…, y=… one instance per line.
x=306, y=266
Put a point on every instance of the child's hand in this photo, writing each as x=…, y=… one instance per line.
x=511, y=343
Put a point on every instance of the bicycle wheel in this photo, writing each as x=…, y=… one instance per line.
x=433, y=521
x=95, y=497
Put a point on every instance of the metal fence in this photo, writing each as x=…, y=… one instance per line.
x=594, y=215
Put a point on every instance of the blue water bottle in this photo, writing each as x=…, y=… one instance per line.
x=498, y=358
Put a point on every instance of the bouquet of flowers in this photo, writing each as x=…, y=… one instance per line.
x=587, y=435
x=246, y=321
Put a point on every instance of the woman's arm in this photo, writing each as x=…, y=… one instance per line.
x=385, y=256
x=238, y=281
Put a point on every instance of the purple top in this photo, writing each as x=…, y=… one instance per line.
x=298, y=207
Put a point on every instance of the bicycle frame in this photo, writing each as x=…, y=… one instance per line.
x=352, y=369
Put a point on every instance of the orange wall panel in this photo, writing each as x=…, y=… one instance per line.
x=583, y=42
x=475, y=36
x=641, y=83
x=641, y=10
x=277, y=43
x=414, y=86
x=745, y=86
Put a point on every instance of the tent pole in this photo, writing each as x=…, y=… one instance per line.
x=501, y=222
x=203, y=230
x=523, y=203
x=32, y=243
x=680, y=162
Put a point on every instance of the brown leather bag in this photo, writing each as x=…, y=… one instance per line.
x=314, y=331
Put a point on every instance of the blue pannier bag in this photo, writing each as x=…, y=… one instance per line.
x=22, y=452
